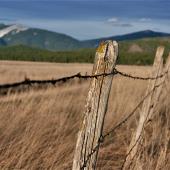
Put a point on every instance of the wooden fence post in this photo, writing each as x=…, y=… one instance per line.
x=162, y=157
x=147, y=108
x=96, y=107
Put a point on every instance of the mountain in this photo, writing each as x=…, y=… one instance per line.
x=11, y=35
x=32, y=37
x=131, y=36
x=2, y=42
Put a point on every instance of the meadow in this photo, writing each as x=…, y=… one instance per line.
x=38, y=128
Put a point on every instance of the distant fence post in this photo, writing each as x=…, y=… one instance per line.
x=162, y=157
x=147, y=108
x=96, y=106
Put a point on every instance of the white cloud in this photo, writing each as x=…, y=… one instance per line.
x=145, y=19
x=116, y=22
x=113, y=20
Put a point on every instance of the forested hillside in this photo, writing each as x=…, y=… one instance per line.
x=138, y=52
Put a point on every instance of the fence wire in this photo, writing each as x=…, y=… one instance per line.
x=29, y=82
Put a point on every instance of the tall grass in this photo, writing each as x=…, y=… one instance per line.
x=38, y=129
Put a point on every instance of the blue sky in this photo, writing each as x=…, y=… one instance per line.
x=86, y=19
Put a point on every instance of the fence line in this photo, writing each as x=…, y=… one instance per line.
x=28, y=81
x=4, y=88
x=137, y=142
x=84, y=159
x=103, y=137
x=146, y=108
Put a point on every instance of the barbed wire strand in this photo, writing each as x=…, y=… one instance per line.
x=138, y=77
x=27, y=81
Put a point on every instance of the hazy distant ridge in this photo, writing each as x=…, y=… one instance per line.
x=131, y=36
x=39, y=38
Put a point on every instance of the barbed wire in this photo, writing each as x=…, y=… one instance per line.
x=103, y=137
x=29, y=82
x=138, y=77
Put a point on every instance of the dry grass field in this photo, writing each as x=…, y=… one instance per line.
x=38, y=128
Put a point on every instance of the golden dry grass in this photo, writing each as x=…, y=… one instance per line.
x=38, y=129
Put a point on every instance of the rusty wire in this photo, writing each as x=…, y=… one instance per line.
x=29, y=82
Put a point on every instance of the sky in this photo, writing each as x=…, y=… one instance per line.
x=88, y=19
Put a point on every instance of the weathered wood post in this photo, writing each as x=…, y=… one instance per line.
x=147, y=108
x=96, y=107
x=162, y=157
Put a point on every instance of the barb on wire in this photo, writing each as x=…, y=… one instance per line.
x=103, y=137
